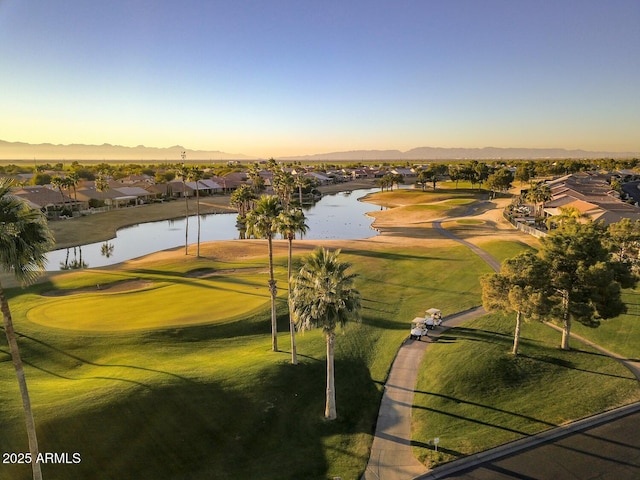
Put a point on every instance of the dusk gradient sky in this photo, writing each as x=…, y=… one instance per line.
x=291, y=77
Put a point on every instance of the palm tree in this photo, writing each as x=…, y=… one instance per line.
x=323, y=296
x=59, y=183
x=102, y=184
x=540, y=193
x=300, y=182
x=73, y=179
x=257, y=182
x=290, y=223
x=284, y=185
x=196, y=175
x=24, y=239
x=242, y=198
x=183, y=171
x=262, y=222
x=567, y=214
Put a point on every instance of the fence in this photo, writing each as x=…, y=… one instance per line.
x=524, y=228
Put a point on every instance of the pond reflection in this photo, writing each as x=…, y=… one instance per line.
x=76, y=263
x=339, y=216
x=106, y=250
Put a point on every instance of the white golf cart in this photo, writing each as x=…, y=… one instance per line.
x=418, y=329
x=433, y=318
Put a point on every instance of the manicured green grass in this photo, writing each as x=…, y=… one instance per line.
x=473, y=394
x=440, y=207
x=211, y=400
x=395, y=198
x=183, y=302
x=461, y=201
x=502, y=250
x=621, y=334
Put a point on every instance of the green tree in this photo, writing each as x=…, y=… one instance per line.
x=24, y=240
x=283, y=185
x=323, y=296
x=456, y=173
x=301, y=182
x=243, y=198
x=423, y=179
x=72, y=181
x=500, y=180
x=396, y=179
x=59, y=183
x=623, y=240
x=102, y=184
x=585, y=282
x=523, y=173
x=257, y=182
x=384, y=182
x=568, y=214
x=539, y=193
x=432, y=174
x=41, y=179
x=480, y=172
x=290, y=223
x=263, y=222
x=520, y=287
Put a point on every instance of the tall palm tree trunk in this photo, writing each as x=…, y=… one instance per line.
x=22, y=382
x=186, y=217
x=566, y=321
x=330, y=408
x=292, y=327
x=516, y=335
x=273, y=289
x=198, y=215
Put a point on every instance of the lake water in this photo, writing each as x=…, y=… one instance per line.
x=339, y=216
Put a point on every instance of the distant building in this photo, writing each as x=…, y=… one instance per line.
x=591, y=195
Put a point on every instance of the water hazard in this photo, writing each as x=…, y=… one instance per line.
x=339, y=216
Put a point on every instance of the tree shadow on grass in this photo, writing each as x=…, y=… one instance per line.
x=559, y=362
x=487, y=336
x=38, y=353
x=474, y=335
x=271, y=427
x=393, y=256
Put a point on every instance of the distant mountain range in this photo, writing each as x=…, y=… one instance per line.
x=487, y=153
x=106, y=152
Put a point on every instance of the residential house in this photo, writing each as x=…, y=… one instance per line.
x=47, y=199
x=591, y=195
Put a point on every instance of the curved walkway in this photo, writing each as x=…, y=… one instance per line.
x=391, y=456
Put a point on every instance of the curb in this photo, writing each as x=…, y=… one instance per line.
x=527, y=442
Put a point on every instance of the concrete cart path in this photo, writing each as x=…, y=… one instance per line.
x=391, y=456
x=491, y=261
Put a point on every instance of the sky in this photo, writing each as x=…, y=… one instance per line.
x=273, y=78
